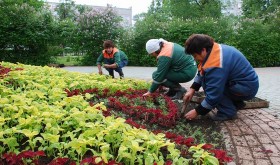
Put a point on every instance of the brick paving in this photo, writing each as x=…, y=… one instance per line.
x=254, y=137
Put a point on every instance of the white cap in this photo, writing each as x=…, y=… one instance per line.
x=153, y=45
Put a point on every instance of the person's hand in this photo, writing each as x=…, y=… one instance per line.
x=100, y=72
x=146, y=94
x=192, y=114
x=188, y=96
x=106, y=66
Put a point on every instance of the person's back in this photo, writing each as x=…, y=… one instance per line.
x=239, y=70
x=225, y=74
x=179, y=59
x=173, y=67
x=123, y=56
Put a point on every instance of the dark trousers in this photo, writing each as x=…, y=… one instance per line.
x=123, y=63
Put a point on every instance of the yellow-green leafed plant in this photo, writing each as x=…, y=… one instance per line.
x=54, y=77
x=202, y=157
x=35, y=108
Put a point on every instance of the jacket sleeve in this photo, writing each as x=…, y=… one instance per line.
x=117, y=58
x=123, y=56
x=215, y=80
x=99, y=59
x=159, y=76
x=197, y=82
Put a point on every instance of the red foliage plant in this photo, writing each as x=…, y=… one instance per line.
x=141, y=112
x=62, y=161
x=13, y=159
x=4, y=71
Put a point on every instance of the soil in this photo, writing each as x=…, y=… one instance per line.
x=208, y=130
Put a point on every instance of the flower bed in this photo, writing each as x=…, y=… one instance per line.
x=51, y=116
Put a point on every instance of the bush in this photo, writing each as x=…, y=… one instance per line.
x=258, y=43
x=94, y=27
x=26, y=33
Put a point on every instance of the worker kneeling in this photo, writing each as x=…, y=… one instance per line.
x=226, y=76
x=173, y=67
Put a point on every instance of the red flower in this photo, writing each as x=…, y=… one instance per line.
x=168, y=162
x=59, y=161
x=179, y=139
x=207, y=146
x=170, y=135
x=189, y=141
x=30, y=154
x=221, y=156
x=11, y=158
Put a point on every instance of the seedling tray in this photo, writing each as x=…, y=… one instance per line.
x=250, y=104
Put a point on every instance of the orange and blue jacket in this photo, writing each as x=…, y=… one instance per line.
x=224, y=68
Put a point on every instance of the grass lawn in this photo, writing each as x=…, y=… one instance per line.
x=68, y=60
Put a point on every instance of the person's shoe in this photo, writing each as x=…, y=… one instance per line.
x=121, y=74
x=170, y=93
x=220, y=117
x=112, y=74
x=239, y=104
x=179, y=94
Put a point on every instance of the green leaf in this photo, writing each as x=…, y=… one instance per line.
x=50, y=137
x=29, y=133
x=211, y=160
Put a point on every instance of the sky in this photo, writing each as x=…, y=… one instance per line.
x=138, y=6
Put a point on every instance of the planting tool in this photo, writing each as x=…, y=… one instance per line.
x=184, y=108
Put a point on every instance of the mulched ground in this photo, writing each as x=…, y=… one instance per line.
x=203, y=129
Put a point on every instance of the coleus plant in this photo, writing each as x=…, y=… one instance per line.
x=36, y=99
x=157, y=109
x=25, y=157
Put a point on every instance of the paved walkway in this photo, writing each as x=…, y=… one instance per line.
x=254, y=137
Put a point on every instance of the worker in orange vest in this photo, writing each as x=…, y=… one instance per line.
x=112, y=58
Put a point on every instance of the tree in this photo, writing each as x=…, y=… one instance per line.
x=94, y=27
x=188, y=9
x=66, y=34
x=179, y=8
x=259, y=8
x=26, y=32
x=152, y=24
x=66, y=10
x=156, y=6
x=174, y=21
x=68, y=13
x=207, y=8
x=258, y=42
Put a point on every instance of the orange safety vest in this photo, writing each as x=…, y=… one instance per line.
x=214, y=60
x=106, y=55
x=166, y=50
